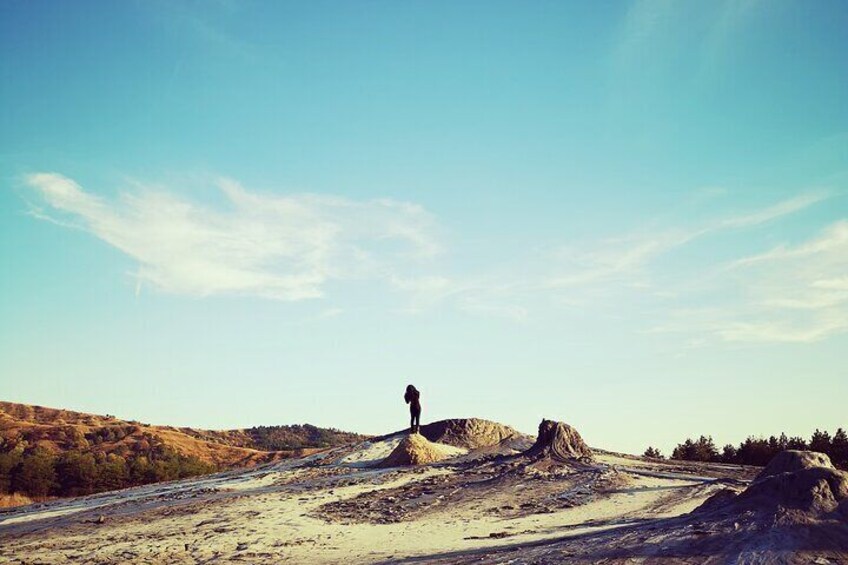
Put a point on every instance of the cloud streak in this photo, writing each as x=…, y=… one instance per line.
x=789, y=294
x=280, y=247
x=793, y=293
x=625, y=259
x=291, y=247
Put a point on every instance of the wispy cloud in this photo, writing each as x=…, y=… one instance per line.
x=291, y=247
x=282, y=247
x=625, y=258
x=644, y=20
x=730, y=18
x=791, y=293
x=649, y=25
x=207, y=25
x=650, y=44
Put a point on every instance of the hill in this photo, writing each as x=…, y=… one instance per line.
x=277, y=438
x=59, y=430
x=41, y=447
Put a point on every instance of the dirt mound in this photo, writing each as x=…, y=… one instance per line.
x=415, y=449
x=469, y=433
x=795, y=485
x=802, y=480
x=792, y=460
x=560, y=442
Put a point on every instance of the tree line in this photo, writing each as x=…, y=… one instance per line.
x=281, y=438
x=759, y=451
x=38, y=472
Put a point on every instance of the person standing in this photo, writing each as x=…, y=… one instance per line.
x=413, y=398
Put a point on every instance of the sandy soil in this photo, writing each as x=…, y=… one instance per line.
x=335, y=506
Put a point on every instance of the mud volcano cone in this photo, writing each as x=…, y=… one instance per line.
x=469, y=433
x=415, y=449
x=803, y=480
x=792, y=461
x=560, y=442
x=795, y=486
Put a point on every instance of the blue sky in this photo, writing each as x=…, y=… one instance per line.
x=631, y=217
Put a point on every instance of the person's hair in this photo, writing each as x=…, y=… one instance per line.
x=410, y=388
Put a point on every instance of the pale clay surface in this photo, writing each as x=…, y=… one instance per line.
x=255, y=516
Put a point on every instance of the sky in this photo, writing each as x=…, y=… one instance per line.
x=628, y=216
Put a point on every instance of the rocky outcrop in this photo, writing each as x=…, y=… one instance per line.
x=559, y=442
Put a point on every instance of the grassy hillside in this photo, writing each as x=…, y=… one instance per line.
x=277, y=438
x=53, y=452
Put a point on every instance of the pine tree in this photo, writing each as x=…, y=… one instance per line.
x=839, y=448
x=684, y=451
x=653, y=453
x=796, y=442
x=705, y=449
x=820, y=442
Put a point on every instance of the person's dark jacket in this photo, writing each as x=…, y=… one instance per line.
x=411, y=397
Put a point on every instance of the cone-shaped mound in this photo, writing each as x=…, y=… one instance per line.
x=795, y=485
x=560, y=442
x=802, y=480
x=791, y=460
x=415, y=449
x=469, y=433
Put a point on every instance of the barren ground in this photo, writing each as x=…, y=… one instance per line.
x=478, y=507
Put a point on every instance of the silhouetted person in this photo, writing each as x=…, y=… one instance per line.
x=412, y=397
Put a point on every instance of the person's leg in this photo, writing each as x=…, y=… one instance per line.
x=412, y=421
